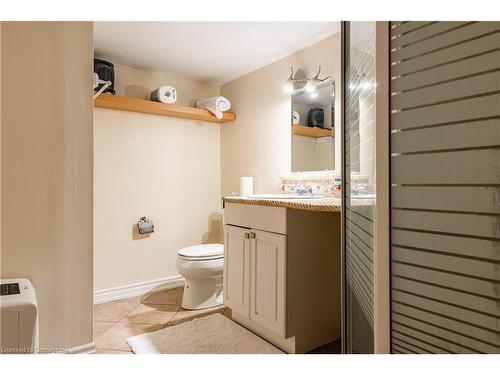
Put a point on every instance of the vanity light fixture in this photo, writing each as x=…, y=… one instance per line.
x=288, y=89
x=296, y=81
x=316, y=81
x=300, y=81
x=310, y=86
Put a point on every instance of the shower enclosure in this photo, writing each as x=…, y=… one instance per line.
x=359, y=185
x=365, y=197
x=421, y=244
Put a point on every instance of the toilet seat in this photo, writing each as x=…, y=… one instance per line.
x=197, y=259
x=210, y=251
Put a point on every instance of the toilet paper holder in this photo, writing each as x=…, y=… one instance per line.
x=145, y=226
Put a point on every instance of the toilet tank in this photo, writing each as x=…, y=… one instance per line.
x=18, y=317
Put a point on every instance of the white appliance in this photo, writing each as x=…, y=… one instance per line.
x=18, y=317
x=201, y=266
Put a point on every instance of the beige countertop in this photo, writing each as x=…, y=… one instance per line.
x=308, y=204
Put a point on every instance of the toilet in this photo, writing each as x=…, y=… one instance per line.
x=201, y=267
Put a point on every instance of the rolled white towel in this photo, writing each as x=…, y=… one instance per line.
x=215, y=104
x=164, y=94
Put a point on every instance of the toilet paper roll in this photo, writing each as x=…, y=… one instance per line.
x=246, y=186
x=164, y=94
x=145, y=226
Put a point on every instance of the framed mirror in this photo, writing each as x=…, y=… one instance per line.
x=313, y=124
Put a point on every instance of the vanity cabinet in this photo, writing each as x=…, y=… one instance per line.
x=282, y=274
x=254, y=270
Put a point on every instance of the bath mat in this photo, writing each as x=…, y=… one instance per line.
x=213, y=334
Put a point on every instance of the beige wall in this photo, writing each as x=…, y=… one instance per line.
x=47, y=172
x=258, y=143
x=138, y=83
x=165, y=168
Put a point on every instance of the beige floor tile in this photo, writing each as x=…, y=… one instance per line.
x=115, y=338
x=112, y=311
x=136, y=299
x=110, y=351
x=185, y=315
x=166, y=297
x=101, y=327
x=151, y=314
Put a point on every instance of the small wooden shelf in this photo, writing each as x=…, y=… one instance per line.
x=311, y=132
x=125, y=103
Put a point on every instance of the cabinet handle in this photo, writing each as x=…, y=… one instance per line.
x=252, y=235
x=247, y=235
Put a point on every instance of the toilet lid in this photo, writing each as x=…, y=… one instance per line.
x=210, y=250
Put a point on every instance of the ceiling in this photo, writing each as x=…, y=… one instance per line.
x=215, y=52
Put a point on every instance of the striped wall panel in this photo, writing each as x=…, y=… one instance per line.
x=445, y=187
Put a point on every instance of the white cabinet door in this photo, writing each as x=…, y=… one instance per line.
x=237, y=269
x=267, y=280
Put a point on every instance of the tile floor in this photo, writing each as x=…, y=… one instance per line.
x=115, y=322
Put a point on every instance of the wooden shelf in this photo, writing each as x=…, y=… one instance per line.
x=125, y=103
x=311, y=132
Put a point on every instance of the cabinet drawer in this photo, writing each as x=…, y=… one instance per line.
x=270, y=219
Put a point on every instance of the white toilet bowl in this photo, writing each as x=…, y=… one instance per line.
x=201, y=267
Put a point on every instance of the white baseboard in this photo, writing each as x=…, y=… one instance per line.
x=133, y=290
x=82, y=349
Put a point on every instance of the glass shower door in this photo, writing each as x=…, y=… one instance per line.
x=358, y=186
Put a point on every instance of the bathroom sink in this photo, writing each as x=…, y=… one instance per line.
x=282, y=196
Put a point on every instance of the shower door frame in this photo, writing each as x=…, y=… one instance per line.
x=382, y=231
x=343, y=322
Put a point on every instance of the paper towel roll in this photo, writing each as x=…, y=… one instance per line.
x=246, y=186
x=164, y=94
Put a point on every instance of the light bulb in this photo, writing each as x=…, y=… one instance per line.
x=288, y=88
x=310, y=86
